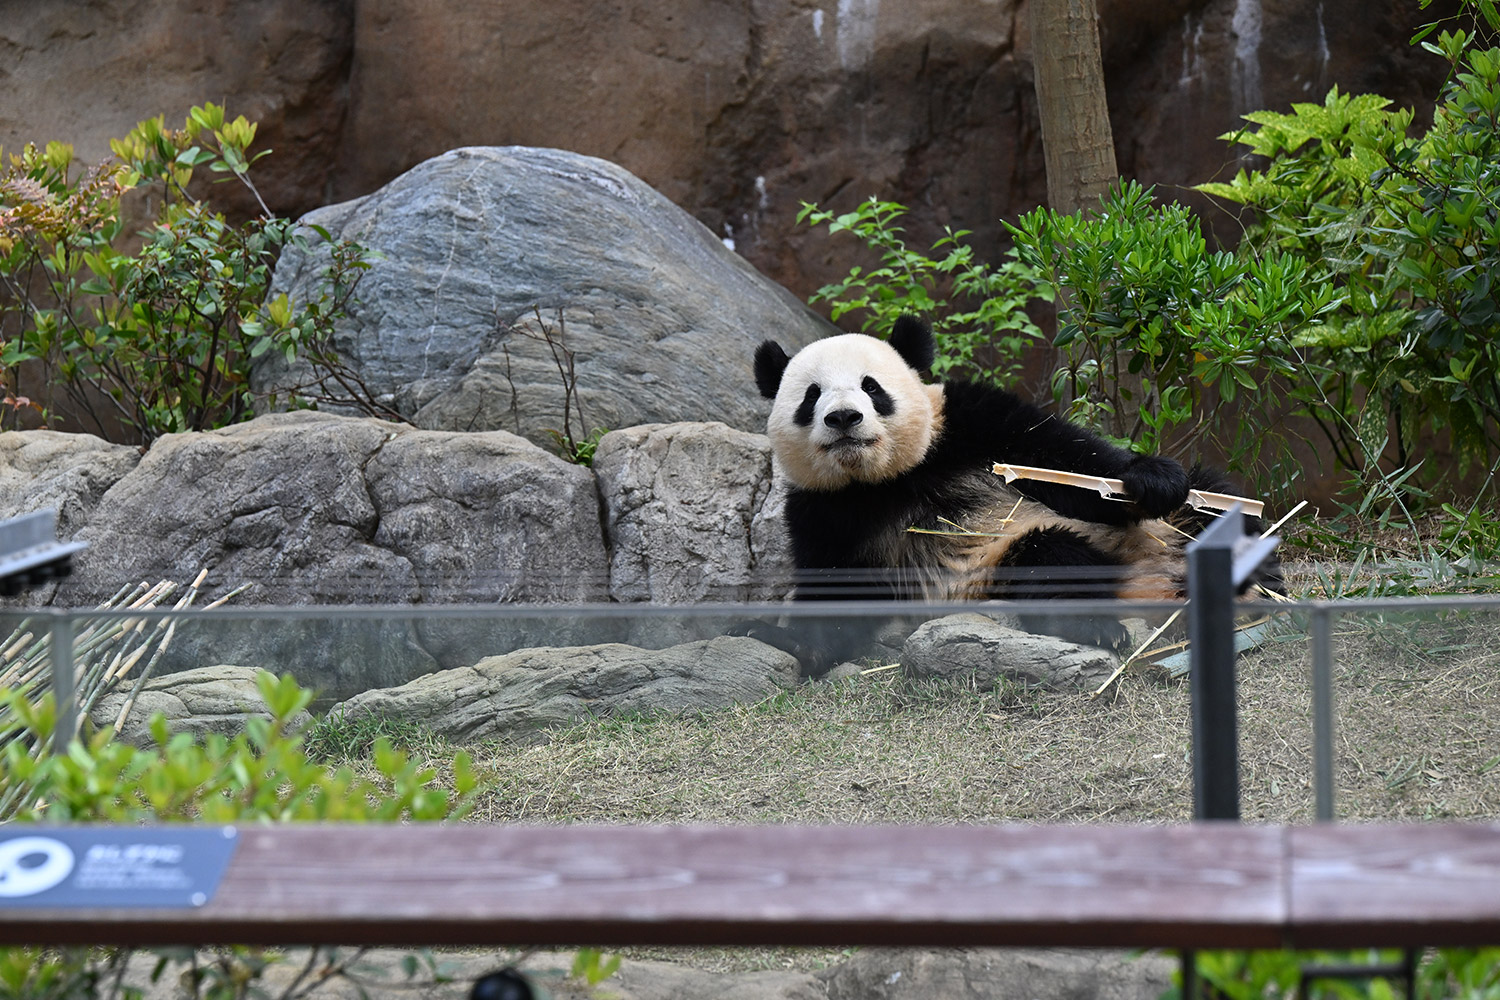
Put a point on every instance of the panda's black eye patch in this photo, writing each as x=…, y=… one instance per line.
x=884, y=404
x=804, y=415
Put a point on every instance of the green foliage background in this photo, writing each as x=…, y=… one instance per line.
x=1362, y=305
x=153, y=332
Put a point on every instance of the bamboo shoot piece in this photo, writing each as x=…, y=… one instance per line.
x=1114, y=489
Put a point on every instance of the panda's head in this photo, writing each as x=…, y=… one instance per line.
x=851, y=408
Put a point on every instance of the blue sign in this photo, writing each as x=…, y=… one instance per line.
x=112, y=867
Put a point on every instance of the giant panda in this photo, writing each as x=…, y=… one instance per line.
x=890, y=495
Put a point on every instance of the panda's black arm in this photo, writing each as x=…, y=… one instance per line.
x=991, y=425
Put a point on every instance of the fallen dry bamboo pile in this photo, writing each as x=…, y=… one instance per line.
x=105, y=652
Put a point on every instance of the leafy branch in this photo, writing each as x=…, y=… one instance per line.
x=144, y=337
x=978, y=312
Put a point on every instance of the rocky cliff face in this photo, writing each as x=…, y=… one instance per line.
x=737, y=110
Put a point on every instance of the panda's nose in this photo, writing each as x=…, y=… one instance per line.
x=842, y=420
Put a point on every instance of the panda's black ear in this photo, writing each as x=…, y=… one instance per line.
x=770, y=363
x=912, y=339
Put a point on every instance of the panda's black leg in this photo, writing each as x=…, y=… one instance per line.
x=1056, y=563
x=819, y=644
x=1085, y=630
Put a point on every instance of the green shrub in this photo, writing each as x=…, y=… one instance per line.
x=982, y=332
x=1365, y=297
x=262, y=775
x=1460, y=973
x=154, y=333
x=1407, y=227
x=1158, y=334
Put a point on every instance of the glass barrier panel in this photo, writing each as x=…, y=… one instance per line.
x=834, y=711
x=1416, y=698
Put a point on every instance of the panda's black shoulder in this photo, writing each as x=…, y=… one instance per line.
x=974, y=416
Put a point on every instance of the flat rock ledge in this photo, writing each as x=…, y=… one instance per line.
x=215, y=699
x=520, y=694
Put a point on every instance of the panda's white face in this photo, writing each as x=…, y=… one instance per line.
x=849, y=409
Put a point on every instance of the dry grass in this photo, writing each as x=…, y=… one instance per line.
x=870, y=750
x=1418, y=737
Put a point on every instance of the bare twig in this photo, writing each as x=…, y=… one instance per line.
x=567, y=371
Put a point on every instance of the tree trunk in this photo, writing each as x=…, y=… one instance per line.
x=1076, y=137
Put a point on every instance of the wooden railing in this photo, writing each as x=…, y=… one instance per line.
x=1192, y=886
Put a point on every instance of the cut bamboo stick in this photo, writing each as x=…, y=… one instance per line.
x=105, y=653
x=1114, y=489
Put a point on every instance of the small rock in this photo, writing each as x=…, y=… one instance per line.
x=972, y=645
x=214, y=699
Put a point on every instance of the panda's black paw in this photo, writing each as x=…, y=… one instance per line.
x=1157, y=485
x=1085, y=630
x=813, y=660
x=771, y=635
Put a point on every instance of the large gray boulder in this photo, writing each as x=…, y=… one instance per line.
x=495, y=260
x=319, y=509
x=67, y=472
x=315, y=508
x=522, y=693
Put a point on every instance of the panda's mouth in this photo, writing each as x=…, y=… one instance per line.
x=849, y=450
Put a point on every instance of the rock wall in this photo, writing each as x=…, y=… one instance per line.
x=86, y=73
x=737, y=110
x=318, y=509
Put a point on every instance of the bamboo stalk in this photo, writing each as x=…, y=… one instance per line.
x=1284, y=519
x=877, y=670
x=1114, y=489
x=105, y=652
x=145, y=674
x=166, y=633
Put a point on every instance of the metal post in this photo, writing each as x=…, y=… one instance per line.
x=1321, y=628
x=1189, y=967
x=1219, y=561
x=63, y=683
x=1216, y=767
